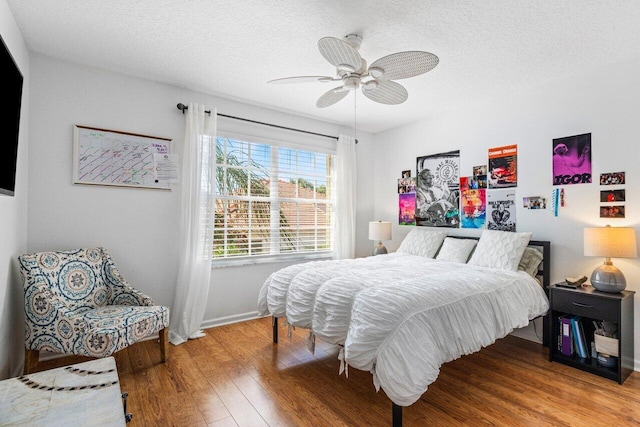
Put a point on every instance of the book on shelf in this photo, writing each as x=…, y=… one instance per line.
x=565, y=331
x=583, y=340
x=577, y=333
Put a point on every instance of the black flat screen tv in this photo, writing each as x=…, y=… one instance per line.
x=11, y=83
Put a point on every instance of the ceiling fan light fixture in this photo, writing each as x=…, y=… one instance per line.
x=346, y=68
x=369, y=86
x=351, y=83
x=376, y=72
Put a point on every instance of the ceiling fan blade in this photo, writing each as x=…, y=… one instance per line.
x=339, y=53
x=303, y=79
x=331, y=97
x=385, y=92
x=403, y=65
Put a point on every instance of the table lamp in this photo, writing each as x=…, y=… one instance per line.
x=379, y=230
x=609, y=242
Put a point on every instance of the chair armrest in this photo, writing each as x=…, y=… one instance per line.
x=123, y=292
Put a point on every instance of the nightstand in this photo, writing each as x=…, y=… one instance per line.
x=590, y=305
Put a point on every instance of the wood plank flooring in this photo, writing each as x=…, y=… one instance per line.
x=236, y=376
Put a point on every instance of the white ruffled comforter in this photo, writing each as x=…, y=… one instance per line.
x=402, y=316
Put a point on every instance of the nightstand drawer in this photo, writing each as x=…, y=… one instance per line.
x=586, y=305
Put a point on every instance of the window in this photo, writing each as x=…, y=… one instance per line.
x=271, y=201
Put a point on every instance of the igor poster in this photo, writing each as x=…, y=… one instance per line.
x=572, y=160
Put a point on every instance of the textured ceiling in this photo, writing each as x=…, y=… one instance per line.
x=232, y=48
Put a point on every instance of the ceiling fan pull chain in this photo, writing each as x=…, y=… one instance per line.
x=355, y=115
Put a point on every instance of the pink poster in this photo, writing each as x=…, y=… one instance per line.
x=572, y=160
x=407, y=209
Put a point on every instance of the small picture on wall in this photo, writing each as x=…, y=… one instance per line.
x=534, y=202
x=480, y=176
x=612, y=178
x=612, y=211
x=406, y=174
x=407, y=185
x=480, y=170
x=612, y=196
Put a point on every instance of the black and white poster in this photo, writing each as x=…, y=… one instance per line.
x=501, y=210
x=438, y=190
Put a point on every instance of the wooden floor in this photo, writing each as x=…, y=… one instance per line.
x=236, y=376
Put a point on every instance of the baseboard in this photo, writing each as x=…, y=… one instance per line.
x=227, y=320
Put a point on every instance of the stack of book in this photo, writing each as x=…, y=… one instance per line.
x=571, y=338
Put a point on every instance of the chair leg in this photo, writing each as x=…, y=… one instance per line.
x=30, y=361
x=164, y=340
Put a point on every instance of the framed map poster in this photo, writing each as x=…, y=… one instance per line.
x=107, y=157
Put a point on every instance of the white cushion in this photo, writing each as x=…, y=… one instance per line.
x=422, y=242
x=500, y=249
x=456, y=250
x=530, y=261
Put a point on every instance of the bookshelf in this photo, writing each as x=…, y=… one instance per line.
x=592, y=305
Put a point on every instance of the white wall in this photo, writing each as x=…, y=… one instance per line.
x=13, y=218
x=139, y=226
x=604, y=103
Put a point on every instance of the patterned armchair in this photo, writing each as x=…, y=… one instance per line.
x=76, y=302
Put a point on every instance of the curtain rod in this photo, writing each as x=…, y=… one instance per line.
x=183, y=108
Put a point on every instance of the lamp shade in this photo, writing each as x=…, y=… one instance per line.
x=380, y=230
x=610, y=242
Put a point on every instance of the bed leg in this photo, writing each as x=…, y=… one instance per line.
x=274, y=322
x=396, y=415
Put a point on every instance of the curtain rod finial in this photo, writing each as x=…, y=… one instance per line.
x=182, y=107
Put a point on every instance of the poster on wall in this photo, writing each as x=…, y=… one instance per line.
x=438, y=190
x=473, y=205
x=501, y=210
x=407, y=209
x=572, y=160
x=503, y=166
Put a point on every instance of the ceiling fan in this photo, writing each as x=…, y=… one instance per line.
x=377, y=80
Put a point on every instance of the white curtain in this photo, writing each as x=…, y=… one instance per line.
x=196, y=228
x=344, y=235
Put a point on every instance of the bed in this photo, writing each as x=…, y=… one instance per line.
x=402, y=315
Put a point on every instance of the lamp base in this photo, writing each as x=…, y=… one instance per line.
x=379, y=249
x=607, y=278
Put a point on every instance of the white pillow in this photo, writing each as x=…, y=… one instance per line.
x=422, y=242
x=456, y=250
x=531, y=259
x=500, y=249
